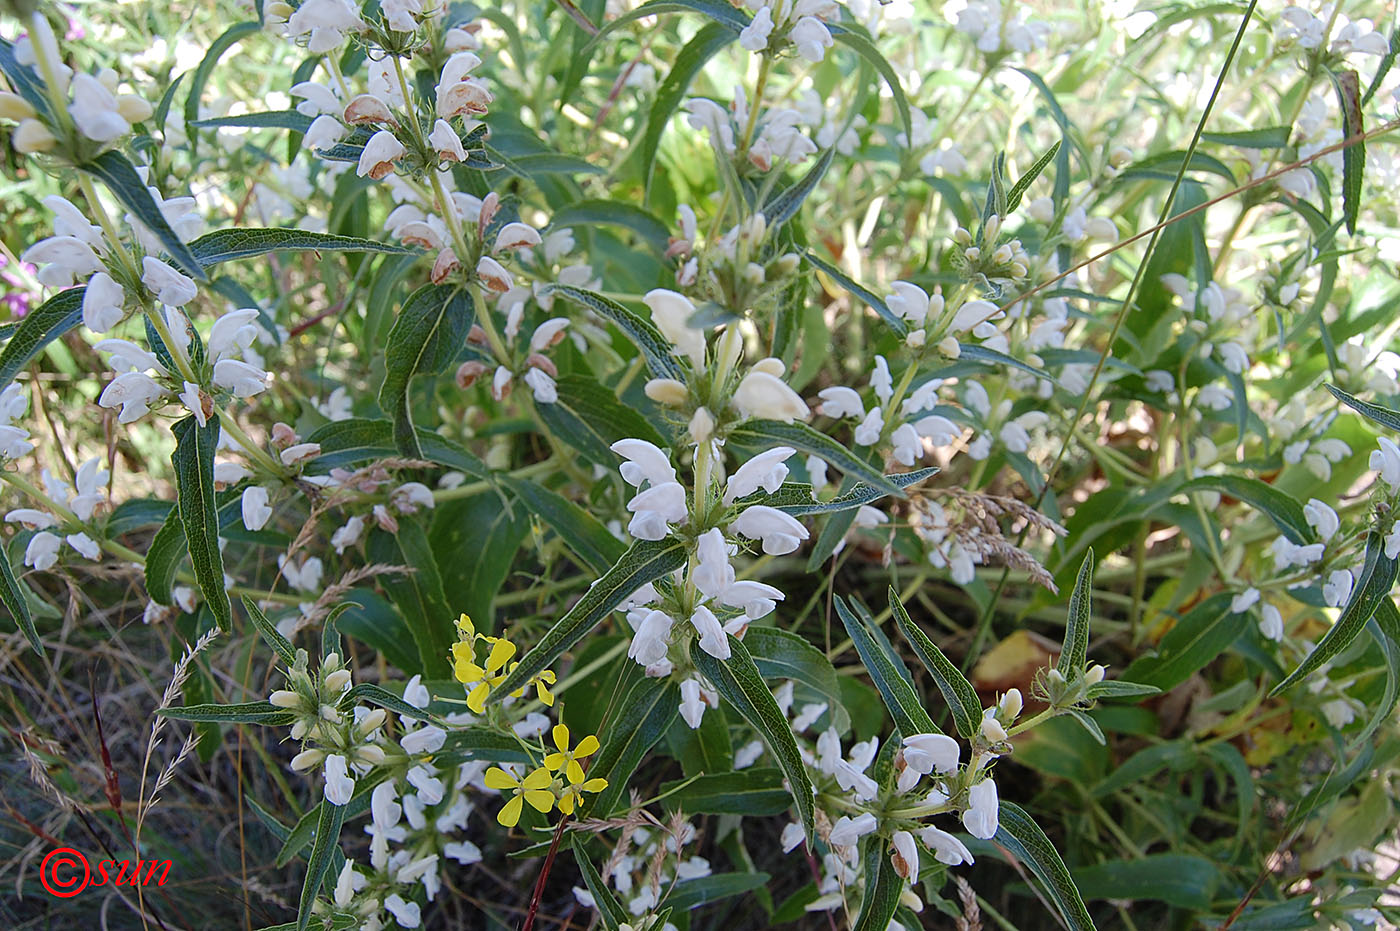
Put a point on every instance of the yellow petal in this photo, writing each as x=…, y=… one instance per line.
x=547, y=676
x=464, y=624
x=497, y=778
x=566, y=804
x=553, y=761
x=596, y=784
x=501, y=652
x=561, y=737
x=545, y=694
x=509, y=815
x=539, y=799
x=574, y=772
x=476, y=700
x=539, y=779
x=586, y=747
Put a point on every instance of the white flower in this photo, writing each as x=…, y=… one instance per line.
x=1338, y=712
x=399, y=14
x=940, y=431
x=1271, y=622
x=65, y=259
x=847, y=831
x=757, y=599
x=911, y=303
x=671, y=311
x=868, y=433
x=42, y=551
x=908, y=445
x=379, y=155
x=906, y=855
x=132, y=392
x=1321, y=518
x=339, y=786
x=712, y=637
x=754, y=36
x=1392, y=543
x=1386, y=461
x=781, y=533
x=31, y=518
x=650, y=642
x=853, y=780
x=1337, y=589
x=233, y=333
x=792, y=836
x=84, y=544
x=980, y=819
x=406, y=913
x=543, y=387
x=94, y=110
x=946, y=848
x=324, y=132
x=1244, y=600
x=712, y=573
x=102, y=303
x=655, y=508
x=14, y=442
x=256, y=511
x=840, y=402
x=170, y=287
x=766, y=471
x=90, y=479
x=645, y=462
x=1287, y=554
x=763, y=394
x=748, y=754
x=928, y=753
x=692, y=707
x=242, y=379
x=349, y=534
x=811, y=37
x=193, y=402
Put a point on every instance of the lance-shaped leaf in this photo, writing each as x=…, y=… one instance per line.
x=862, y=46
x=193, y=461
x=294, y=120
x=478, y=743
x=430, y=330
x=750, y=792
x=782, y=654
x=12, y=596
x=1281, y=508
x=580, y=530
x=373, y=694
x=860, y=291
x=305, y=828
x=359, y=440
x=608, y=909
x=280, y=644
x=1075, y=653
x=784, y=205
x=718, y=10
x=418, y=594
x=227, y=245
x=795, y=498
x=590, y=418
x=1348, y=87
x=688, y=62
x=1374, y=412
x=644, y=335
x=325, y=845
x=1385, y=628
x=1377, y=579
x=167, y=548
x=896, y=689
x=702, y=890
x=737, y=680
x=40, y=326
x=646, y=713
x=645, y=562
x=1020, y=835
x=765, y=434
x=957, y=691
x=1198, y=637
x=883, y=886
x=1013, y=197
x=589, y=213
x=127, y=187
x=979, y=353
x=252, y=712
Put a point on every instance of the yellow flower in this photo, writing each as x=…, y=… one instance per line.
x=566, y=762
x=534, y=788
x=542, y=682
x=482, y=678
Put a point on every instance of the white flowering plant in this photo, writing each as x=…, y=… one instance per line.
x=672, y=464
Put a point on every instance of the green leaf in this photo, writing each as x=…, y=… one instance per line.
x=782, y=654
x=1117, y=688
x=765, y=434
x=795, y=498
x=1372, y=587
x=784, y=205
x=430, y=331
x=590, y=213
x=609, y=910
x=280, y=644
x=359, y=440
x=12, y=596
x=478, y=743
x=645, y=562
x=1177, y=879
x=1024, y=838
x=979, y=353
x=1385, y=628
x=860, y=291
x=252, y=712
x=1348, y=87
x=1281, y=508
x=37, y=329
x=127, y=187
x=702, y=890
x=193, y=461
x=863, y=47
x=1013, y=197
x=883, y=887
x=894, y=686
x=325, y=844
x=647, y=711
x=489, y=528
x=167, y=548
x=1198, y=637
x=580, y=530
x=1089, y=724
x=378, y=695
x=230, y=244
x=418, y=595
x=688, y=63
x=294, y=120
x=590, y=418
x=1074, y=656
x=737, y=680
x=217, y=48
x=536, y=165
x=751, y=792
x=717, y=10
x=1382, y=415
x=957, y=691
x=647, y=338
x=1269, y=137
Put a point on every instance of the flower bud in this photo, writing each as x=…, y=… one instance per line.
x=1095, y=674
x=1120, y=156
x=299, y=729
x=330, y=713
x=337, y=681
x=134, y=108
x=949, y=347
x=307, y=759
x=277, y=12
x=772, y=366
x=445, y=264
x=33, y=136
x=1054, y=677
x=992, y=731
x=14, y=107
x=470, y=371
x=368, y=108
x=1010, y=705
x=666, y=391
x=283, y=698
x=544, y=363
x=702, y=426
x=372, y=721
x=370, y=754
x=787, y=263
x=916, y=339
